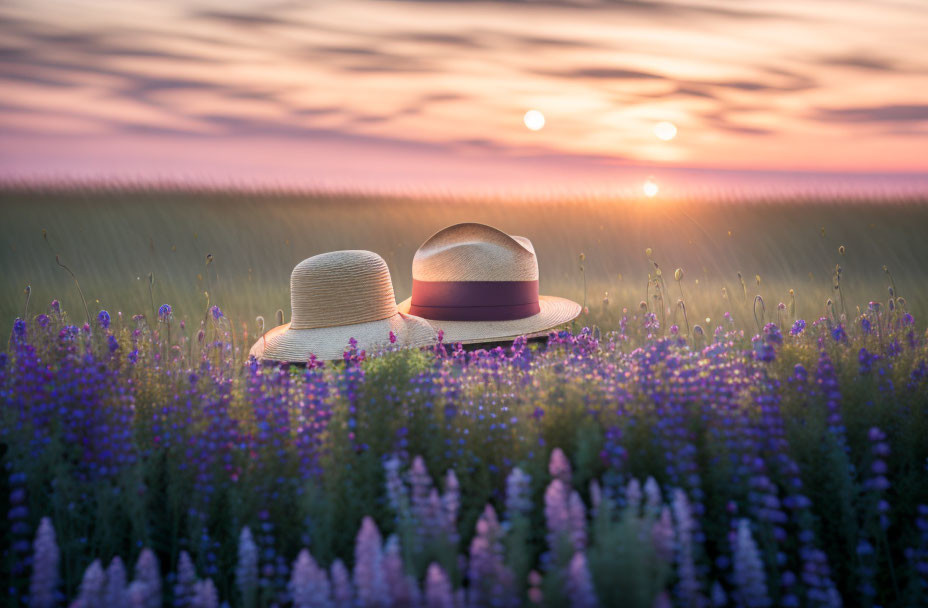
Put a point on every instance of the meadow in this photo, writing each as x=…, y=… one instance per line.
x=766, y=449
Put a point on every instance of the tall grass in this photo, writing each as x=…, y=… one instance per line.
x=115, y=240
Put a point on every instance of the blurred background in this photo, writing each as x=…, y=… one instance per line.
x=694, y=97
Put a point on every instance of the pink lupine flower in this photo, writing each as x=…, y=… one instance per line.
x=559, y=466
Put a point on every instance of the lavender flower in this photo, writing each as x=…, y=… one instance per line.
x=689, y=586
x=342, y=592
x=518, y=501
x=184, y=588
x=369, y=580
x=43, y=588
x=749, y=576
x=309, y=584
x=491, y=582
x=92, y=586
x=580, y=583
x=103, y=318
x=438, y=588
x=148, y=573
x=116, y=592
x=205, y=595
x=246, y=570
x=402, y=588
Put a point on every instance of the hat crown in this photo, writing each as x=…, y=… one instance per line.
x=340, y=288
x=475, y=252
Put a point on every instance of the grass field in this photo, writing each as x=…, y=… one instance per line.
x=113, y=239
x=775, y=460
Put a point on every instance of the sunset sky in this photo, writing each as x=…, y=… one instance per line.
x=432, y=94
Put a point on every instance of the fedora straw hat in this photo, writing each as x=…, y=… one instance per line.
x=476, y=283
x=337, y=296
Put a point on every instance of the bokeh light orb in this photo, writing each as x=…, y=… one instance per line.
x=650, y=188
x=665, y=131
x=534, y=120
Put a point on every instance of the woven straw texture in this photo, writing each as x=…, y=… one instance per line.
x=335, y=297
x=476, y=252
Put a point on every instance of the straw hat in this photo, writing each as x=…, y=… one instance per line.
x=335, y=297
x=476, y=283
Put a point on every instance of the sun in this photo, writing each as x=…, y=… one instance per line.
x=534, y=120
x=665, y=131
x=650, y=188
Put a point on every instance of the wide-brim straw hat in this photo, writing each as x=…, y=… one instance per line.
x=335, y=297
x=476, y=283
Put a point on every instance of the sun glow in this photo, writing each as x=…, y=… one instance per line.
x=665, y=131
x=534, y=120
x=650, y=188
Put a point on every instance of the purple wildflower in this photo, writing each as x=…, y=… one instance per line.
x=798, y=327
x=43, y=588
x=217, y=313
x=309, y=584
x=518, y=499
x=116, y=592
x=103, y=318
x=342, y=592
x=580, y=583
x=164, y=312
x=749, y=576
x=438, y=588
x=369, y=581
x=205, y=595
x=186, y=581
x=246, y=570
x=148, y=573
x=90, y=594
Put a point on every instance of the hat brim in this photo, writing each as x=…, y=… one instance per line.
x=554, y=311
x=330, y=343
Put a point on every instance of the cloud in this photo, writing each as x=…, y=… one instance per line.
x=863, y=62
x=241, y=19
x=667, y=8
x=892, y=113
x=603, y=73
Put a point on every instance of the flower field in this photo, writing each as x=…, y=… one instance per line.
x=146, y=464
